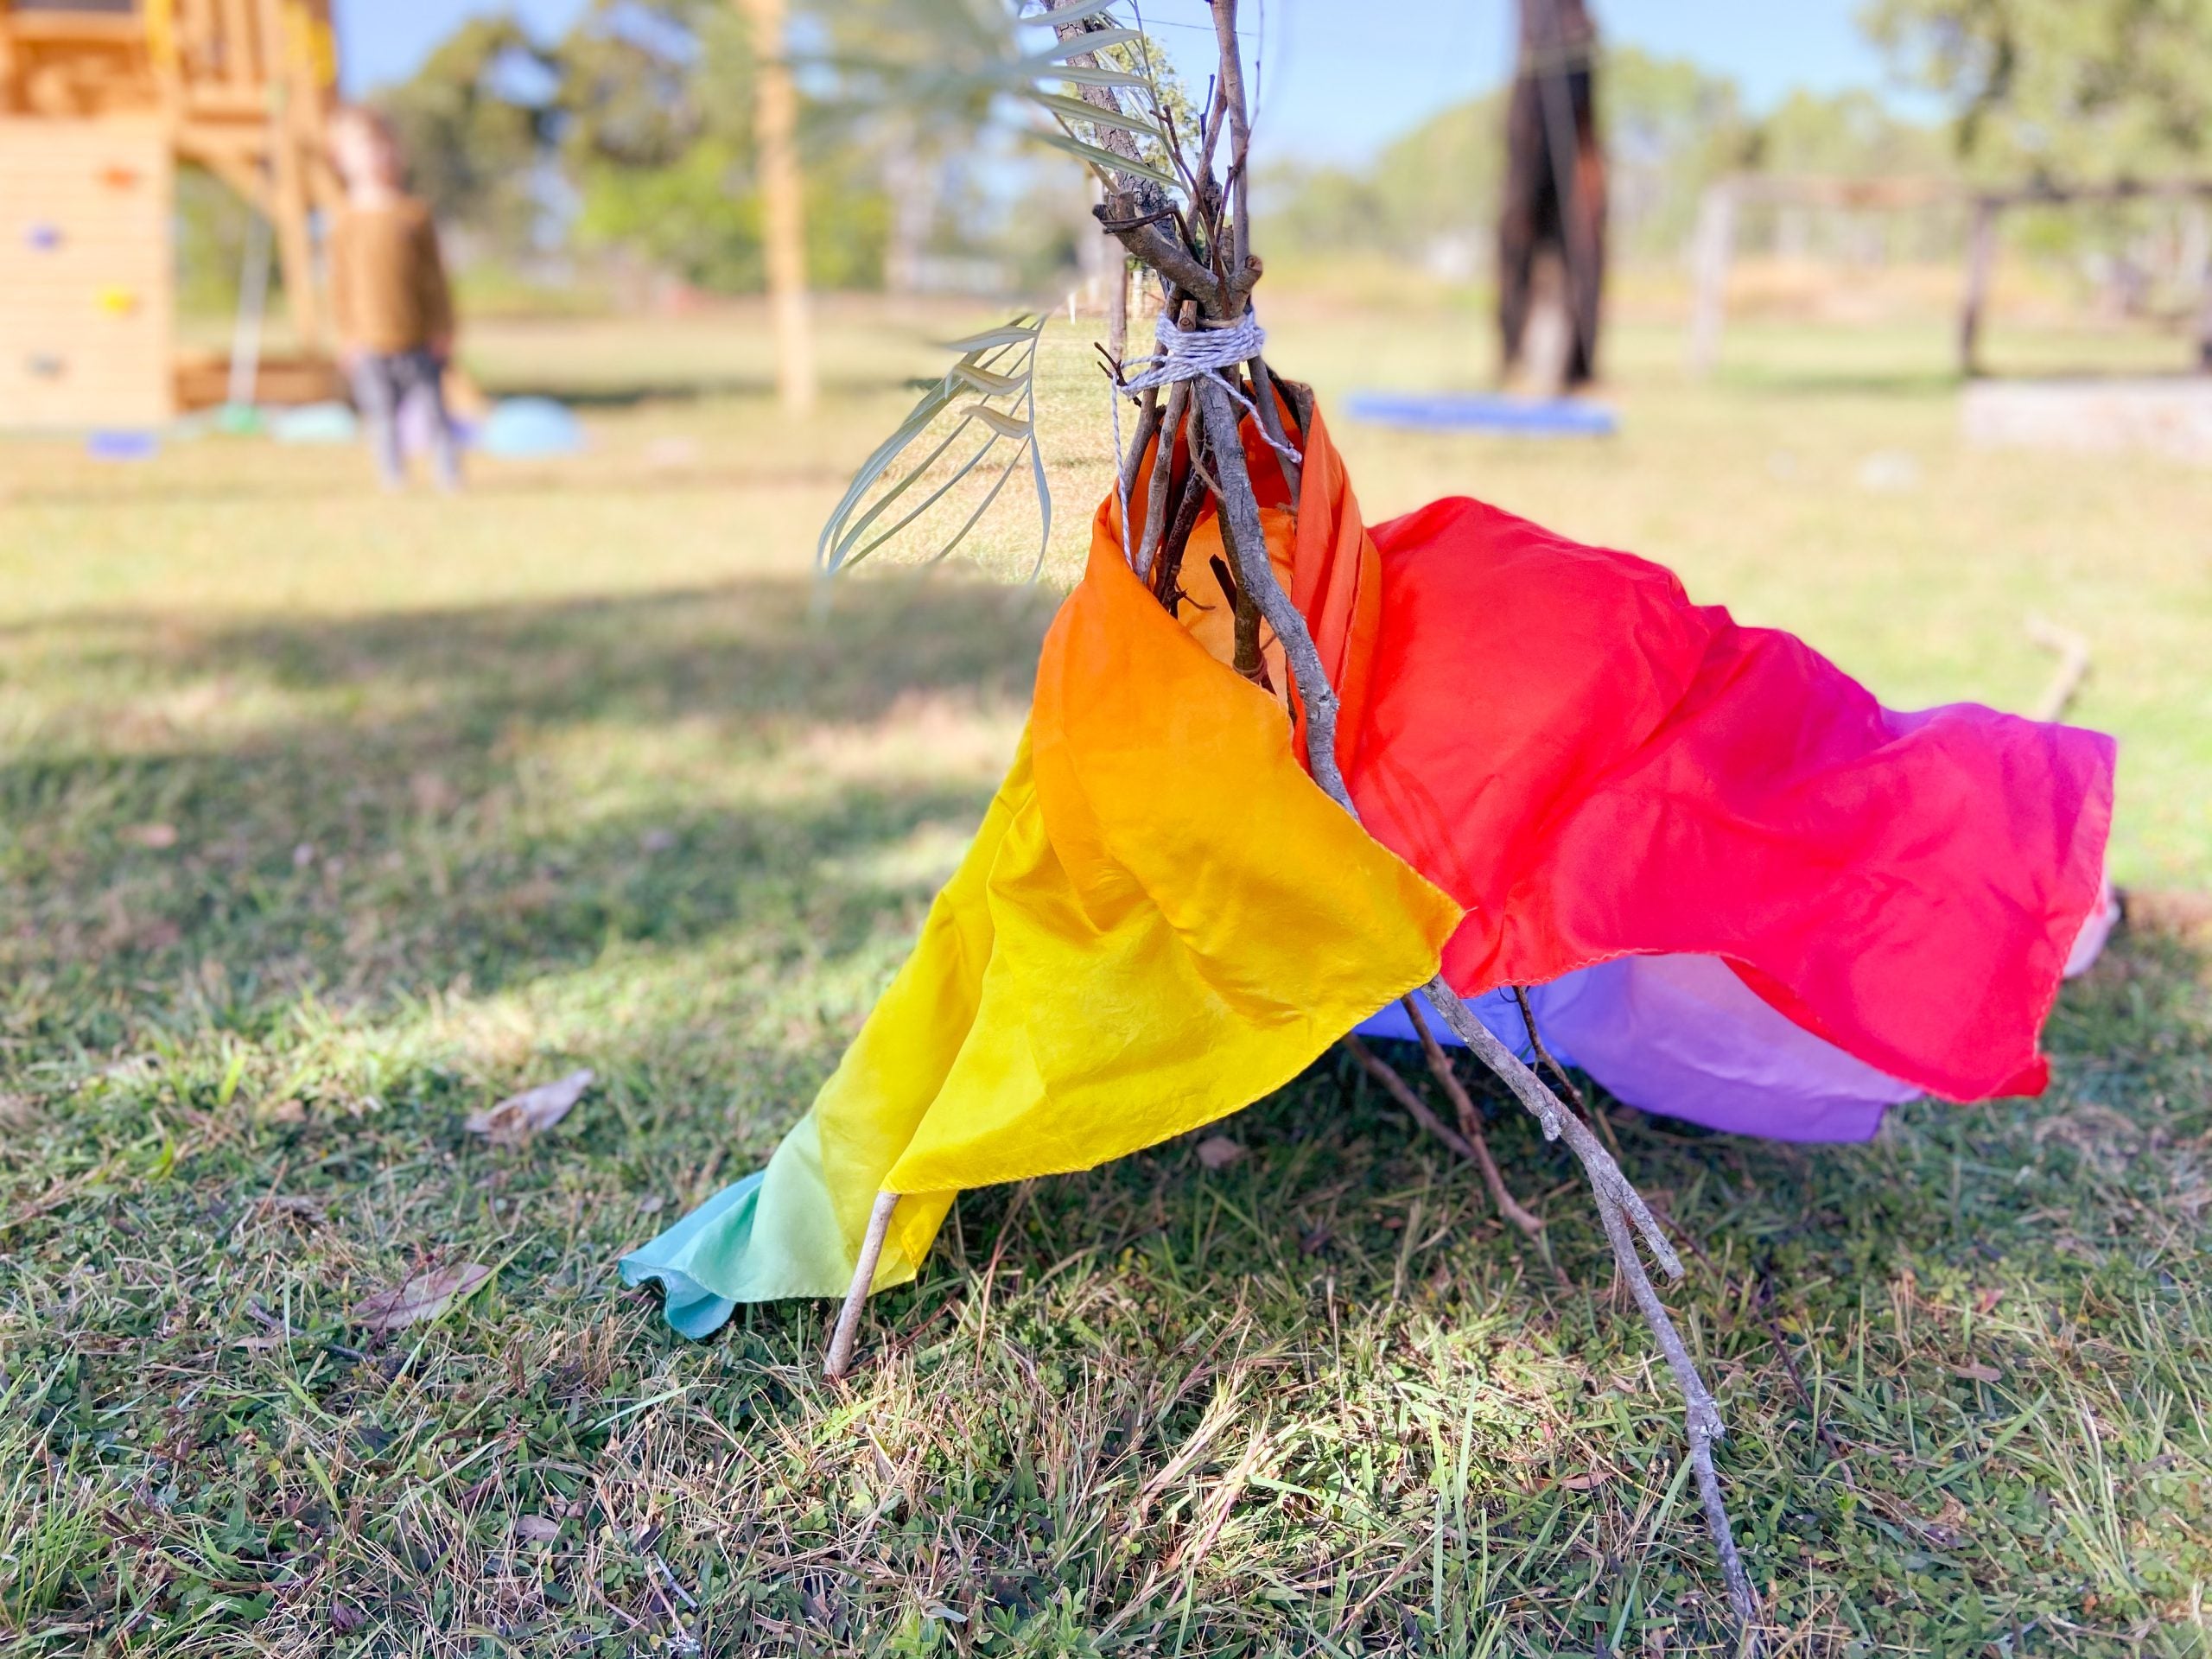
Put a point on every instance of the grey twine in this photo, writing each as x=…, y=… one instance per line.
x=1197, y=353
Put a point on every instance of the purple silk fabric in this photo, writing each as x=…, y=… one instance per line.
x=1682, y=1036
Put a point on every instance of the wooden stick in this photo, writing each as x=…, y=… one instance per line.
x=1621, y=1208
x=1402, y=1091
x=2072, y=651
x=1470, y=1125
x=1163, y=459
x=1981, y=260
x=849, y=1316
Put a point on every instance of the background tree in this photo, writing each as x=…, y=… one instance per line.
x=2081, y=90
x=657, y=120
x=474, y=122
x=1554, y=207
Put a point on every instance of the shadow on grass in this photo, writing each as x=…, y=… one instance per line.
x=488, y=480
x=1318, y=1400
x=591, y=392
x=1903, y=384
x=386, y=804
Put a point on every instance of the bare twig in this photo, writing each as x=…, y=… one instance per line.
x=1132, y=215
x=1163, y=459
x=1168, y=568
x=1240, y=128
x=1263, y=397
x=1402, y=1091
x=2072, y=650
x=1471, y=1124
x=1544, y=1055
x=1147, y=428
x=1621, y=1208
x=848, y=1316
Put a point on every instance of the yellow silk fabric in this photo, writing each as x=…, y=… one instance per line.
x=1161, y=920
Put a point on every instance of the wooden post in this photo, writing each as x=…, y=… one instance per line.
x=849, y=1316
x=1710, y=246
x=775, y=128
x=1981, y=260
x=287, y=180
x=2204, y=318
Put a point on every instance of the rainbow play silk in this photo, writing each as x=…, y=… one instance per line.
x=1748, y=892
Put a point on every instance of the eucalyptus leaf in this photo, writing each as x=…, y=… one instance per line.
x=1104, y=158
x=1096, y=39
x=1006, y=426
x=1058, y=14
x=1082, y=76
x=997, y=363
x=1075, y=109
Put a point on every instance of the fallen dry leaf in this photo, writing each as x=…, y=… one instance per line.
x=434, y=796
x=158, y=836
x=292, y=1204
x=1218, y=1152
x=424, y=1297
x=538, y=1529
x=1587, y=1480
x=517, y=1117
x=1978, y=1372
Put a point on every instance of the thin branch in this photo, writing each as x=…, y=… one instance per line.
x=849, y=1316
x=1263, y=393
x=1163, y=460
x=1168, y=568
x=1240, y=127
x=1544, y=1055
x=1621, y=1208
x=1163, y=252
x=1573, y=1092
x=1402, y=1091
x=1147, y=428
x=1471, y=1124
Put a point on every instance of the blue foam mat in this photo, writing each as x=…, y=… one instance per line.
x=1485, y=411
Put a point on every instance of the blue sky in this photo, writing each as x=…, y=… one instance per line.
x=1339, y=77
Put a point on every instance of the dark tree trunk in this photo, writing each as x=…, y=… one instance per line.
x=1553, y=202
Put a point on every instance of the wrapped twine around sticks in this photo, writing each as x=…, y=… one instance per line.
x=1207, y=352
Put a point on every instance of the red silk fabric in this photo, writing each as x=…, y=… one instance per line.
x=1594, y=766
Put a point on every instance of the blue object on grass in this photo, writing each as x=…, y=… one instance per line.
x=327, y=423
x=123, y=445
x=521, y=427
x=1485, y=411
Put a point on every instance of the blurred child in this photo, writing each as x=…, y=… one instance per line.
x=393, y=310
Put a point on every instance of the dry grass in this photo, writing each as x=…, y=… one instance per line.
x=327, y=819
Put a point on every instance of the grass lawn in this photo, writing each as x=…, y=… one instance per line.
x=327, y=819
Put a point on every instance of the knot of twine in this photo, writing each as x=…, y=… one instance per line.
x=1199, y=353
x=1187, y=355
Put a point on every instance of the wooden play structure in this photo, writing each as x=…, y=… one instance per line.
x=99, y=101
x=1713, y=243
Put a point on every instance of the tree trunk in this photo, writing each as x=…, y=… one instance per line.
x=784, y=216
x=910, y=179
x=1553, y=202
